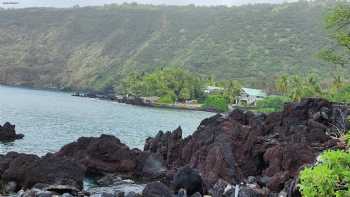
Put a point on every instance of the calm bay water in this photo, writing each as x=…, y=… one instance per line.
x=50, y=119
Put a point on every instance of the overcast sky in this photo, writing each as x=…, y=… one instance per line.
x=70, y=3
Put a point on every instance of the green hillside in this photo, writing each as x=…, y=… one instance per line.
x=94, y=48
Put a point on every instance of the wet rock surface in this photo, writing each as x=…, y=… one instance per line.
x=113, y=184
x=8, y=133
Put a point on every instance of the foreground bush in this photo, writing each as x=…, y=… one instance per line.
x=329, y=178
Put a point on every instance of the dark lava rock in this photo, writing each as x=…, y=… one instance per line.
x=218, y=189
x=224, y=189
x=188, y=179
x=8, y=133
x=166, y=145
x=52, y=173
x=266, y=152
x=62, y=174
x=109, y=179
x=242, y=144
x=156, y=189
x=248, y=192
x=105, y=154
x=14, y=167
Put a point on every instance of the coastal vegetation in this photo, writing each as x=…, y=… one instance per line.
x=196, y=56
x=179, y=84
x=331, y=177
x=170, y=84
x=95, y=48
x=337, y=88
x=296, y=87
x=216, y=102
x=272, y=104
x=175, y=84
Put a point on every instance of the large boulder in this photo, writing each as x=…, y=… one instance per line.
x=8, y=133
x=14, y=167
x=51, y=172
x=273, y=148
x=105, y=154
x=188, y=179
x=58, y=172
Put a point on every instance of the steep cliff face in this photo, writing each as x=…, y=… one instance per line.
x=95, y=47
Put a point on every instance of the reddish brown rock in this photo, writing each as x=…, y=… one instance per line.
x=242, y=144
x=105, y=154
x=54, y=172
x=266, y=151
x=14, y=167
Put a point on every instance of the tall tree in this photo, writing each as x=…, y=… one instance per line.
x=338, y=24
x=232, y=89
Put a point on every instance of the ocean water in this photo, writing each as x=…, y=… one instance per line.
x=50, y=119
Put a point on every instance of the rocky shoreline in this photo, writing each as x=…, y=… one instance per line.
x=241, y=154
x=131, y=100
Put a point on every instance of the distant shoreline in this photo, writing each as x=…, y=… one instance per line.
x=139, y=102
x=103, y=96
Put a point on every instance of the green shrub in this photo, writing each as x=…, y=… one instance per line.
x=342, y=95
x=271, y=104
x=216, y=102
x=167, y=99
x=330, y=178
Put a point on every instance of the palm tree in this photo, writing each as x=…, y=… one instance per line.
x=282, y=85
x=297, y=88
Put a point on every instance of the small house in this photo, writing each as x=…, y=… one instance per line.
x=213, y=89
x=249, y=96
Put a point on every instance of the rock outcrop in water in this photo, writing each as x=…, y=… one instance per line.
x=266, y=151
x=8, y=133
x=240, y=153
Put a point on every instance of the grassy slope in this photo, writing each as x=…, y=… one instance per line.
x=94, y=47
